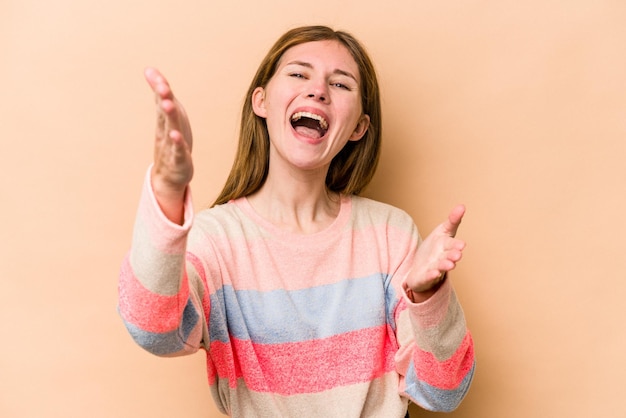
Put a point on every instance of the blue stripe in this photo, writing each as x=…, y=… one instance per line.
x=282, y=316
x=391, y=301
x=435, y=399
x=168, y=342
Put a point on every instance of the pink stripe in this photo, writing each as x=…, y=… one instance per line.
x=400, y=307
x=446, y=374
x=145, y=309
x=434, y=311
x=206, y=297
x=287, y=266
x=305, y=367
x=210, y=368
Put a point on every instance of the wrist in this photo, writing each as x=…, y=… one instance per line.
x=171, y=200
x=422, y=295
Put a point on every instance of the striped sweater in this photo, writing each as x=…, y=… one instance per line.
x=296, y=325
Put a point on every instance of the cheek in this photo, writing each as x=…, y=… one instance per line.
x=274, y=105
x=275, y=121
x=353, y=117
x=274, y=128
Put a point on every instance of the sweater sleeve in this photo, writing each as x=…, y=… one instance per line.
x=160, y=309
x=436, y=353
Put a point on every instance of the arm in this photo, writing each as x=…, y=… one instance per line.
x=159, y=307
x=436, y=354
x=173, y=167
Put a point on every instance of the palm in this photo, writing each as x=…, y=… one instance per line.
x=438, y=253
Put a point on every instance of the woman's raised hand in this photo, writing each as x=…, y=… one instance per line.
x=437, y=254
x=173, y=167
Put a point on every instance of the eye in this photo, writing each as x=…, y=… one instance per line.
x=341, y=86
x=297, y=75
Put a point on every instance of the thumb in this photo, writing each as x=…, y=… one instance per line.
x=451, y=225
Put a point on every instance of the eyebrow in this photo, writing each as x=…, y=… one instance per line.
x=309, y=65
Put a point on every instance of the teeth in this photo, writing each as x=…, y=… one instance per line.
x=309, y=115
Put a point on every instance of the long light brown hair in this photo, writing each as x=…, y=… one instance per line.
x=352, y=168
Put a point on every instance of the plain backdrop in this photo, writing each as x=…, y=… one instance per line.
x=515, y=108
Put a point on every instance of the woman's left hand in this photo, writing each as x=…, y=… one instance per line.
x=437, y=254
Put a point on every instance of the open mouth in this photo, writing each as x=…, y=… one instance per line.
x=309, y=124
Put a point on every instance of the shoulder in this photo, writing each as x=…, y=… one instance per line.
x=226, y=212
x=372, y=211
x=226, y=220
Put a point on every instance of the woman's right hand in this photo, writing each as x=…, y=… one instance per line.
x=173, y=167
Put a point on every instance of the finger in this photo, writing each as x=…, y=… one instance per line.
x=454, y=244
x=446, y=265
x=435, y=274
x=177, y=138
x=167, y=114
x=153, y=77
x=172, y=152
x=160, y=125
x=454, y=255
x=171, y=111
x=170, y=108
x=158, y=84
x=162, y=92
x=454, y=220
x=166, y=117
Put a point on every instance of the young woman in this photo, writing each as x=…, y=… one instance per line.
x=308, y=299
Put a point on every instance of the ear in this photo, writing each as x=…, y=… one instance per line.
x=258, y=102
x=361, y=128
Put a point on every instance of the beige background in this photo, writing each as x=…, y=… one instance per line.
x=516, y=108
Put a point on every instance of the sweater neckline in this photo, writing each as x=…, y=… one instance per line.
x=345, y=210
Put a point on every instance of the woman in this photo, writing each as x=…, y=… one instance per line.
x=308, y=299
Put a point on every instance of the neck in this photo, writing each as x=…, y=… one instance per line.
x=298, y=203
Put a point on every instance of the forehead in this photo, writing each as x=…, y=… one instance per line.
x=330, y=54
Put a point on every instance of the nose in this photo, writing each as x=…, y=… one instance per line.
x=318, y=91
x=319, y=96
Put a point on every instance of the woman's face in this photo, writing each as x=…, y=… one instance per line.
x=312, y=105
